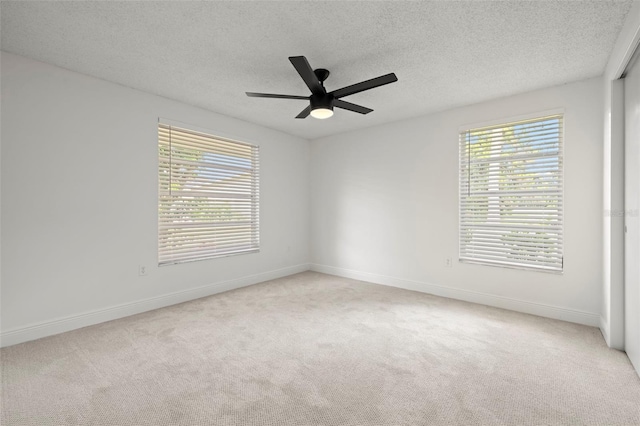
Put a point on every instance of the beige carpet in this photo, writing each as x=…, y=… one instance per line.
x=313, y=349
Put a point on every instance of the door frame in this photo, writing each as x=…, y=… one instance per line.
x=612, y=316
x=631, y=231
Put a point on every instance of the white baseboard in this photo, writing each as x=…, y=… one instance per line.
x=539, y=309
x=61, y=325
x=604, y=329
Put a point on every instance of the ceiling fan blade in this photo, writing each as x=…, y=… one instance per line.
x=304, y=113
x=365, y=85
x=351, y=107
x=301, y=65
x=271, y=95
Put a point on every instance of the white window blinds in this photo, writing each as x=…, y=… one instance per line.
x=511, y=187
x=208, y=196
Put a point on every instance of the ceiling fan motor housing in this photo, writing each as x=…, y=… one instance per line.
x=322, y=100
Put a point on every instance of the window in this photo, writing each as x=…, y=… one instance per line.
x=207, y=198
x=511, y=194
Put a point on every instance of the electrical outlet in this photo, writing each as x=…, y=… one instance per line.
x=448, y=262
x=142, y=270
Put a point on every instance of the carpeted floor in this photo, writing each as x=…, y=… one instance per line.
x=314, y=349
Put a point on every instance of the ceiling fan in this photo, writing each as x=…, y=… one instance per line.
x=321, y=102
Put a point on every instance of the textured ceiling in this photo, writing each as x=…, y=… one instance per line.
x=208, y=54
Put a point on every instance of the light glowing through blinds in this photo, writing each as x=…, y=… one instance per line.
x=511, y=190
x=208, y=196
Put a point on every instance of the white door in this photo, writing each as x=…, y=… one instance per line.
x=632, y=212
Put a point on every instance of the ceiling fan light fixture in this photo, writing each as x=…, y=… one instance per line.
x=321, y=105
x=321, y=113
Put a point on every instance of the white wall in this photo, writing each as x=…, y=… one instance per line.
x=79, y=202
x=384, y=207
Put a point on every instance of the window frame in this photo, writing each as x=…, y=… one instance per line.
x=246, y=198
x=462, y=186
